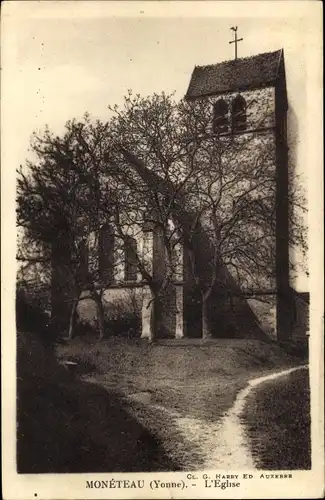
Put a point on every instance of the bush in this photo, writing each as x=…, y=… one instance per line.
x=123, y=317
x=84, y=329
x=32, y=316
x=123, y=325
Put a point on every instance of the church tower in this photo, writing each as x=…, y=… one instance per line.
x=244, y=102
x=248, y=101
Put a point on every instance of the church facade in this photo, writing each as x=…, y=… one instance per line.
x=247, y=100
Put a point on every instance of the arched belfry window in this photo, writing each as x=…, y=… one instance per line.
x=220, y=116
x=130, y=254
x=106, y=253
x=238, y=114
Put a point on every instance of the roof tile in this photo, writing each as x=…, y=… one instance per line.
x=236, y=74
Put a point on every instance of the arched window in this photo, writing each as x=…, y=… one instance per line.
x=220, y=117
x=106, y=253
x=130, y=253
x=238, y=114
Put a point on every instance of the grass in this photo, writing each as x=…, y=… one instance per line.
x=68, y=425
x=277, y=419
x=194, y=381
x=79, y=427
x=199, y=381
x=119, y=411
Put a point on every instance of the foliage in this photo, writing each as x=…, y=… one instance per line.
x=60, y=204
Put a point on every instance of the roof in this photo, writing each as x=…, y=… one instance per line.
x=236, y=74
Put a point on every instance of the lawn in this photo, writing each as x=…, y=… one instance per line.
x=80, y=427
x=120, y=410
x=277, y=419
x=161, y=383
x=69, y=425
x=194, y=380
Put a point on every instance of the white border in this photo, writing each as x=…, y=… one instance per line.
x=305, y=484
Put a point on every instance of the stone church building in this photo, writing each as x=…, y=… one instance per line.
x=248, y=99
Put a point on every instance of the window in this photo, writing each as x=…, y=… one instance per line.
x=106, y=253
x=130, y=253
x=238, y=115
x=220, y=117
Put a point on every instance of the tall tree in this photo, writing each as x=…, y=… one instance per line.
x=61, y=204
x=214, y=187
x=159, y=162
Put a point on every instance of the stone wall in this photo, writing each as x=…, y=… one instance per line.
x=264, y=309
x=258, y=186
x=260, y=106
x=251, y=149
x=300, y=319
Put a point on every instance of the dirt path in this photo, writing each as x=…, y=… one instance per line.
x=231, y=447
x=223, y=445
x=277, y=423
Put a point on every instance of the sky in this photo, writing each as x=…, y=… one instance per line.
x=66, y=65
x=66, y=58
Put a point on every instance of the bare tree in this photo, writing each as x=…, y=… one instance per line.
x=147, y=157
x=218, y=188
x=158, y=165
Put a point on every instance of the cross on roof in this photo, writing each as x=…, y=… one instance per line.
x=234, y=28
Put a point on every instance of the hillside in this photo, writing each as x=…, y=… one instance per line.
x=125, y=406
x=188, y=377
x=67, y=425
x=165, y=384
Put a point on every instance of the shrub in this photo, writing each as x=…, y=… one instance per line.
x=31, y=317
x=123, y=325
x=123, y=317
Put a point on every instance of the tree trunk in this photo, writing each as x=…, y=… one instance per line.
x=100, y=314
x=100, y=317
x=206, y=334
x=153, y=318
x=148, y=320
x=72, y=318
